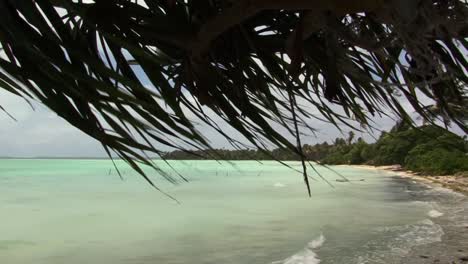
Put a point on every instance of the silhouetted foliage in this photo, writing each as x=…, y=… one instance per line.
x=427, y=149
x=134, y=74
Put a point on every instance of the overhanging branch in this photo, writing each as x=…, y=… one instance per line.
x=244, y=9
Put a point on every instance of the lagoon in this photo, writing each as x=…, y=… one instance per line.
x=80, y=211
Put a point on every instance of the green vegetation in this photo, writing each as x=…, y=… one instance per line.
x=141, y=75
x=427, y=149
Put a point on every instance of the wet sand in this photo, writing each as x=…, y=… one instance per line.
x=453, y=247
x=457, y=183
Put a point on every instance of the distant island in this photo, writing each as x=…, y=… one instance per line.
x=428, y=150
x=57, y=158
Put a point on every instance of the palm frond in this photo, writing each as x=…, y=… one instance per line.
x=128, y=73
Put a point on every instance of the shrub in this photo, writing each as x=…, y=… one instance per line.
x=438, y=161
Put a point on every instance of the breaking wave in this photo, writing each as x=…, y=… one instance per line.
x=434, y=214
x=412, y=235
x=307, y=255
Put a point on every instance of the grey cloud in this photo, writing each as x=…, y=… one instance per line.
x=41, y=132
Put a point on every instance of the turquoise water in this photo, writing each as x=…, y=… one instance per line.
x=80, y=211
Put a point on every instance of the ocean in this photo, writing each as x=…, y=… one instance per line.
x=81, y=211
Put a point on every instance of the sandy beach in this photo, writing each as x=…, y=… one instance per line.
x=453, y=247
x=456, y=183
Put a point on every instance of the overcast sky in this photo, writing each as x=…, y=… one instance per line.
x=40, y=132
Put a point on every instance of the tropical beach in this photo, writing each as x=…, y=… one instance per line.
x=453, y=244
x=258, y=214
x=457, y=183
x=220, y=131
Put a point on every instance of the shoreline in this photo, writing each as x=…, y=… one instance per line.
x=452, y=248
x=455, y=183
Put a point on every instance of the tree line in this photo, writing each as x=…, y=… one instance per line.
x=426, y=149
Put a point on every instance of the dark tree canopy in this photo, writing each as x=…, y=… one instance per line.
x=252, y=62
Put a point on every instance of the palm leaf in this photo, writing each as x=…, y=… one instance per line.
x=116, y=69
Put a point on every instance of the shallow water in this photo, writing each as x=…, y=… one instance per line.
x=80, y=211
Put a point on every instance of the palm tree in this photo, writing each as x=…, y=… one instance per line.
x=350, y=137
x=447, y=112
x=128, y=73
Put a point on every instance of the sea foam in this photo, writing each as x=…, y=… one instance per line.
x=307, y=255
x=435, y=213
x=316, y=243
x=400, y=240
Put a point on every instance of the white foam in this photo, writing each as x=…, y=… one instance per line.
x=424, y=232
x=408, y=236
x=305, y=256
x=279, y=185
x=316, y=243
x=435, y=213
